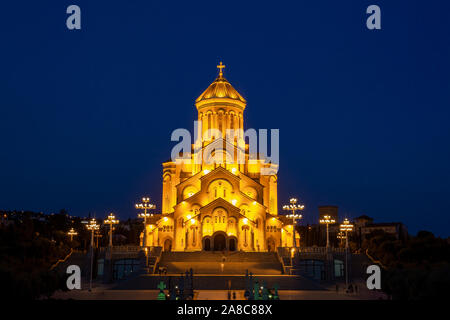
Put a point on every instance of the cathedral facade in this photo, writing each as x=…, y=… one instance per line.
x=217, y=196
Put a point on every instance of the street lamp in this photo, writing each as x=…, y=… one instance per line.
x=294, y=207
x=72, y=233
x=146, y=205
x=346, y=227
x=341, y=237
x=111, y=221
x=92, y=226
x=97, y=235
x=327, y=220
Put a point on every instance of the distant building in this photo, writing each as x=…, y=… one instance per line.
x=364, y=225
x=331, y=211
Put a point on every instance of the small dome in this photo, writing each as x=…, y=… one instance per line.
x=220, y=89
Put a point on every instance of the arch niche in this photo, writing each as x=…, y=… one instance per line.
x=271, y=247
x=206, y=243
x=219, y=241
x=167, y=244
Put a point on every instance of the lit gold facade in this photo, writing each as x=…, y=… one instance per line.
x=219, y=203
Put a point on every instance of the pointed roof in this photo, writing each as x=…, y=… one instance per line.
x=220, y=91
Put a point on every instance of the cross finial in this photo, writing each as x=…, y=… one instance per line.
x=220, y=67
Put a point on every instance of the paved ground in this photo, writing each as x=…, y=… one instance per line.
x=283, y=294
x=106, y=294
x=220, y=282
x=127, y=289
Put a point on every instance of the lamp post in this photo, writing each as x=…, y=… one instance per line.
x=327, y=220
x=111, y=221
x=92, y=226
x=145, y=205
x=294, y=207
x=346, y=227
x=72, y=233
x=341, y=237
x=97, y=235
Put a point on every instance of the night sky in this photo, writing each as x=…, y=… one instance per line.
x=86, y=115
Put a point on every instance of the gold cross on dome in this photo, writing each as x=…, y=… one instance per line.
x=220, y=67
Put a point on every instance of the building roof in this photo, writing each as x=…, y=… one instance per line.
x=220, y=89
x=363, y=217
x=383, y=224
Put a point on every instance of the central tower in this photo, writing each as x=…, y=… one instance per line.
x=220, y=108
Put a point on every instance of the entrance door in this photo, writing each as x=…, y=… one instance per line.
x=219, y=242
x=168, y=245
x=207, y=244
x=271, y=245
x=232, y=244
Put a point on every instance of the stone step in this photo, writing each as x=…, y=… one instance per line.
x=221, y=263
x=219, y=257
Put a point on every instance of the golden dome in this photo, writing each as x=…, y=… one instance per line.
x=220, y=91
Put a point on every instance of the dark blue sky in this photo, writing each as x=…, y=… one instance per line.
x=86, y=116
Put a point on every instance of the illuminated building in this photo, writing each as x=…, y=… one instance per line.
x=212, y=201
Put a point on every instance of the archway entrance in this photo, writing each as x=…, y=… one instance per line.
x=271, y=245
x=232, y=244
x=207, y=244
x=167, y=245
x=220, y=243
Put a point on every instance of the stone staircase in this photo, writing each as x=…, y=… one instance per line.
x=265, y=263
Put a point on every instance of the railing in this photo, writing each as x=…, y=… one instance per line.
x=61, y=260
x=126, y=249
x=281, y=255
x=373, y=259
x=320, y=250
x=156, y=251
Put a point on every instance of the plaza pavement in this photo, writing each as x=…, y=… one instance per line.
x=107, y=294
x=121, y=292
x=220, y=282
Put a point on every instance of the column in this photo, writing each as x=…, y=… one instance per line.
x=214, y=122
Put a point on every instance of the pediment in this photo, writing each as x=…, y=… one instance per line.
x=220, y=202
x=218, y=170
x=221, y=143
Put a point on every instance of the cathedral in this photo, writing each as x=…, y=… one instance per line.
x=217, y=197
